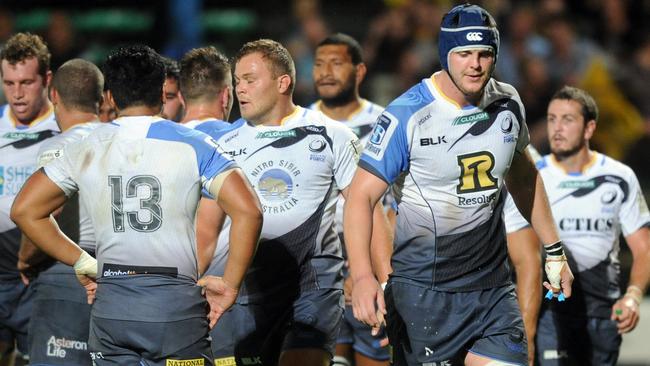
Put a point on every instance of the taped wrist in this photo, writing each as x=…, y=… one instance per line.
x=555, y=250
x=86, y=265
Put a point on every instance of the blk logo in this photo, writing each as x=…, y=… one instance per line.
x=430, y=141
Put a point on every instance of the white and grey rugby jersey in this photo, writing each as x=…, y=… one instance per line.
x=140, y=179
x=297, y=170
x=361, y=122
x=53, y=149
x=447, y=165
x=592, y=208
x=18, y=152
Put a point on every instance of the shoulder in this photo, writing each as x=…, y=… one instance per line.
x=614, y=166
x=504, y=93
x=413, y=100
x=213, y=126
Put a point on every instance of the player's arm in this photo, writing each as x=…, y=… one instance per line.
x=527, y=189
x=32, y=212
x=626, y=310
x=524, y=252
x=239, y=201
x=209, y=222
x=363, y=194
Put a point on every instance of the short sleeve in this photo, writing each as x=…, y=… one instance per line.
x=61, y=170
x=346, y=149
x=386, y=154
x=633, y=214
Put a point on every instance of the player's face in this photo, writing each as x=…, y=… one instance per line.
x=471, y=70
x=256, y=87
x=334, y=74
x=567, y=132
x=173, y=107
x=25, y=89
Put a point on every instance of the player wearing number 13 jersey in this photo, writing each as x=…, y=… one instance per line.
x=143, y=210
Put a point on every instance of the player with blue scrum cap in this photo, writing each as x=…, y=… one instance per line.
x=448, y=145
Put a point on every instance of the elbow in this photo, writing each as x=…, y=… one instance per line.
x=18, y=212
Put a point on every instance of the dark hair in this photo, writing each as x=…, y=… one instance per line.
x=135, y=76
x=79, y=84
x=26, y=45
x=589, y=107
x=278, y=58
x=172, y=69
x=203, y=72
x=354, y=48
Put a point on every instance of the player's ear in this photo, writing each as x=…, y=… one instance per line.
x=47, y=79
x=110, y=100
x=362, y=69
x=590, y=128
x=54, y=96
x=180, y=97
x=284, y=83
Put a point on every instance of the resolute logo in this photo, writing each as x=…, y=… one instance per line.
x=474, y=36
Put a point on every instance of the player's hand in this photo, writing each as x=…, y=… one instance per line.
x=626, y=313
x=27, y=272
x=560, y=277
x=220, y=296
x=368, y=301
x=90, y=284
x=347, y=290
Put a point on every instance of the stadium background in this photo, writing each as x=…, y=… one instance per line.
x=602, y=46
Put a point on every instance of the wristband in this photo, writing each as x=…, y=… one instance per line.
x=555, y=250
x=86, y=265
x=631, y=288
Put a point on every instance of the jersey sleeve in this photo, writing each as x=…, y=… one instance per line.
x=524, y=136
x=347, y=149
x=386, y=154
x=634, y=214
x=61, y=170
x=212, y=161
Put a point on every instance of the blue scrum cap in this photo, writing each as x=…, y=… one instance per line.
x=466, y=27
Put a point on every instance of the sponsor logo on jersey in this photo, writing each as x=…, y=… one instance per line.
x=58, y=347
x=225, y=361
x=379, y=132
x=317, y=157
x=430, y=141
x=472, y=118
x=237, y=152
x=275, y=134
x=317, y=146
x=275, y=185
x=506, y=124
x=24, y=140
x=478, y=200
x=227, y=139
x=608, y=197
x=424, y=119
x=192, y=362
x=572, y=184
x=251, y=361
x=509, y=139
x=586, y=224
x=12, y=178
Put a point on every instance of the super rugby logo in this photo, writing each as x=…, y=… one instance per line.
x=380, y=130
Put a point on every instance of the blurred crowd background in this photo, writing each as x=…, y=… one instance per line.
x=602, y=46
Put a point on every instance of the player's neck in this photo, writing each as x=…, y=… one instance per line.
x=340, y=112
x=449, y=89
x=575, y=163
x=202, y=111
x=70, y=119
x=139, y=110
x=278, y=115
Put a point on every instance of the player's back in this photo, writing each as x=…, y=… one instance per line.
x=140, y=178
